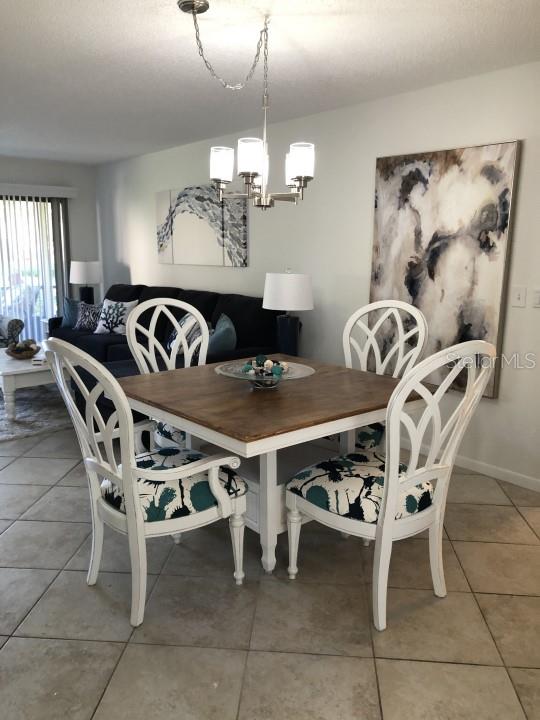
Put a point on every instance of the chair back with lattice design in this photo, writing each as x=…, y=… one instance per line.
x=386, y=337
x=426, y=439
x=150, y=353
x=96, y=435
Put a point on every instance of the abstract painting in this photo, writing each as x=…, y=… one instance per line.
x=442, y=235
x=195, y=228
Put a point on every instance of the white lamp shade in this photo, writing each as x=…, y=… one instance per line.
x=250, y=156
x=302, y=160
x=221, y=164
x=288, y=291
x=85, y=272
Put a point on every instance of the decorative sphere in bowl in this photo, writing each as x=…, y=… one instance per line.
x=264, y=373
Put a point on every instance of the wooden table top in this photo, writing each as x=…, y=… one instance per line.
x=230, y=406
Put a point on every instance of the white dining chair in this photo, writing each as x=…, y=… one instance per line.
x=377, y=496
x=183, y=331
x=386, y=337
x=164, y=492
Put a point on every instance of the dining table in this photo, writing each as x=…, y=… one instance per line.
x=230, y=414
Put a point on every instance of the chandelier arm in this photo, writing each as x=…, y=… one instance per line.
x=263, y=38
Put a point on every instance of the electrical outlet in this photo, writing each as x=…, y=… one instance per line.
x=536, y=298
x=519, y=296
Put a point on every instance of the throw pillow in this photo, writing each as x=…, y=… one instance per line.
x=113, y=317
x=87, y=316
x=71, y=310
x=192, y=333
x=222, y=337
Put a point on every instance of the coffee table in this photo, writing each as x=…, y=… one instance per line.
x=16, y=374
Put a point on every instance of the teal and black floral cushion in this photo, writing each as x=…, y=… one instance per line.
x=167, y=436
x=370, y=437
x=352, y=486
x=178, y=498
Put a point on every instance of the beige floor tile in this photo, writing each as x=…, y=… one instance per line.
x=62, y=444
x=63, y=504
x=532, y=516
x=35, y=471
x=15, y=499
x=409, y=566
x=71, y=609
x=14, y=448
x=527, y=684
x=305, y=687
x=476, y=489
x=515, y=624
x=421, y=626
x=75, y=478
x=301, y=617
x=440, y=691
x=203, y=611
x=19, y=590
x=3, y=639
x=115, y=557
x=53, y=679
x=488, y=523
x=161, y=683
x=497, y=568
x=323, y=557
x=29, y=544
x=4, y=461
x=208, y=551
x=520, y=495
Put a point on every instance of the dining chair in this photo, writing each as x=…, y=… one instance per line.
x=163, y=334
x=382, y=498
x=385, y=337
x=165, y=492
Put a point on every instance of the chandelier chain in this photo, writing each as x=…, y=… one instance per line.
x=263, y=39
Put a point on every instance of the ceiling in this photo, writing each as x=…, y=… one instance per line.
x=96, y=80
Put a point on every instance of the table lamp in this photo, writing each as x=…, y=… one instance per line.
x=288, y=291
x=85, y=273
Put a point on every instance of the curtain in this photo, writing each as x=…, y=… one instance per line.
x=34, y=256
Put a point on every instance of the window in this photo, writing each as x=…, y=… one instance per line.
x=34, y=257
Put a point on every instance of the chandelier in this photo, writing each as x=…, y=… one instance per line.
x=252, y=154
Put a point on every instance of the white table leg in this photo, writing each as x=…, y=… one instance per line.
x=347, y=442
x=8, y=390
x=269, y=509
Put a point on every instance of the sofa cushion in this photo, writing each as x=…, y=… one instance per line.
x=253, y=324
x=87, y=316
x=113, y=317
x=98, y=345
x=203, y=300
x=353, y=486
x=163, y=500
x=163, y=326
x=69, y=334
x=124, y=293
x=71, y=312
x=119, y=352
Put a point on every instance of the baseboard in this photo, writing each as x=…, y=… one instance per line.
x=478, y=466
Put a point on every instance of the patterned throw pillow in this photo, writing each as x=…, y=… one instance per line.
x=114, y=316
x=87, y=317
x=192, y=333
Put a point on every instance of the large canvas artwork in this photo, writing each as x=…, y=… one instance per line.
x=442, y=233
x=195, y=228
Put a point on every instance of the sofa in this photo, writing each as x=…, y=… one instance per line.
x=256, y=328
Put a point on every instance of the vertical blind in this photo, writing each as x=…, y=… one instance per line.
x=33, y=259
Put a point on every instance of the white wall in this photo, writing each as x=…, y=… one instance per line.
x=330, y=234
x=82, y=209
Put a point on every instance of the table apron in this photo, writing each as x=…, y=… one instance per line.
x=270, y=444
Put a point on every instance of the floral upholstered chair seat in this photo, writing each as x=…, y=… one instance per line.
x=352, y=486
x=167, y=436
x=370, y=437
x=177, y=498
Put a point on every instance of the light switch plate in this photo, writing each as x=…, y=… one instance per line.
x=519, y=296
x=536, y=298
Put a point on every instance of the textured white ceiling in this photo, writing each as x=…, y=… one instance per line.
x=95, y=80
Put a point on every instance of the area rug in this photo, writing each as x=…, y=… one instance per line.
x=38, y=410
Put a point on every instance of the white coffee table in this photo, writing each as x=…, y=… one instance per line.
x=15, y=374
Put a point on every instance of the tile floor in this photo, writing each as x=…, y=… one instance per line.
x=272, y=648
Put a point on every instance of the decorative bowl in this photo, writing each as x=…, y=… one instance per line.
x=24, y=350
x=264, y=373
